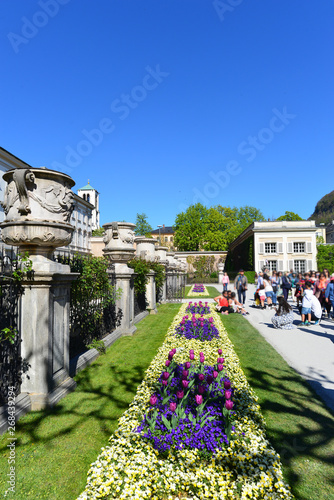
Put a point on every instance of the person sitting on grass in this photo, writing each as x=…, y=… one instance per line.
x=237, y=306
x=223, y=303
x=307, y=305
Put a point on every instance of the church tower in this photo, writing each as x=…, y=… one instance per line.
x=88, y=193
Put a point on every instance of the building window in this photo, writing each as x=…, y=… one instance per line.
x=270, y=247
x=272, y=265
x=299, y=266
x=299, y=247
x=88, y=198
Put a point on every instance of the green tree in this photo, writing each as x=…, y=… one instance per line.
x=190, y=228
x=201, y=228
x=98, y=232
x=143, y=228
x=289, y=216
x=325, y=257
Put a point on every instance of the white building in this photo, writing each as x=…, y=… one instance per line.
x=88, y=193
x=279, y=245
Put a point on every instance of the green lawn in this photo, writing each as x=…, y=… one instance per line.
x=56, y=447
x=212, y=293
x=299, y=425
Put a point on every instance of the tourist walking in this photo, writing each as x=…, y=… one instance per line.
x=286, y=285
x=226, y=281
x=284, y=316
x=241, y=284
x=307, y=305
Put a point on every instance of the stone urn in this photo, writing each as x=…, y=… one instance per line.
x=119, y=242
x=161, y=254
x=145, y=248
x=38, y=203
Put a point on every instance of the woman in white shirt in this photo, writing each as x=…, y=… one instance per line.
x=271, y=297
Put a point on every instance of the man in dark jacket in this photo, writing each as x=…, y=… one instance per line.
x=241, y=284
x=286, y=285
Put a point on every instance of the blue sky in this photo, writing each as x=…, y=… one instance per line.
x=165, y=103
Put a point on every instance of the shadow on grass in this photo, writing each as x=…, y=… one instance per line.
x=298, y=424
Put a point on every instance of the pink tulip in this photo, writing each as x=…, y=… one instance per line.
x=199, y=399
x=187, y=365
x=185, y=374
x=229, y=404
x=228, y=394
x=215, y=374
x=165, y=375
x=172, y=406
x=165, y=382
x=192, y=356
x=220, y=360
x=201, y=389
x=185, y=384
x=167, y=362
x=220, y=352
x=171, y=353
x=201, y=377
x=179, y=394
x=153, y=400
x=227, y=384
x=174, y=350
x=220, y=367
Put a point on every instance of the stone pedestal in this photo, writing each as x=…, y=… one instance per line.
x=151, y=294
x=220, y=268
x=44, y=323
x=122, y=276
x=119, y=249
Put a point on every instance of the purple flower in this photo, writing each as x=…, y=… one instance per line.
x=228, y=394
x=153, y=400
x=199, y=399
x=185, y=384
x=201, y=377
x=179, y=394
x=165, y=375
x=229, y=404
x=201, y=389
x=167, y=363
x=227, y=384
x=172, y=406
x=187, y=365
x=220, y=367
x=209, y=379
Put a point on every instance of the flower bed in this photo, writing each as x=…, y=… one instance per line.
x=198, y=291
x=244, y=467
x=198, y=308
x=197, y=328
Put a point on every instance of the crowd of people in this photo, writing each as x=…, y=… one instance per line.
x=312, y=292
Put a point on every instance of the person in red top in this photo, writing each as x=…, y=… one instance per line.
x=222, y=303
x=319, y=291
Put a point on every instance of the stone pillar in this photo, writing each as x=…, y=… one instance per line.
x=161, y=254
x=119, y=249
x=38, y=205
x=145, y=249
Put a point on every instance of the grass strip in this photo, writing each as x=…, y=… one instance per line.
x=55, y=447
x=298, y=424
x=212, y=293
